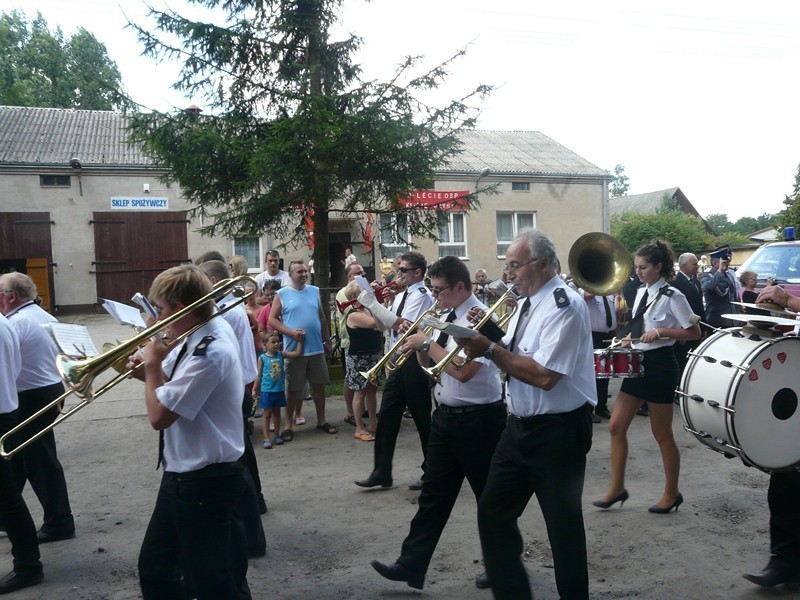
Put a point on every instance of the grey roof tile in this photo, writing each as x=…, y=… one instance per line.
x=54, y=136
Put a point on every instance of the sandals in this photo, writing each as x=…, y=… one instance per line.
x=351, y=420
x=364, y=436
x=287, y=435
x=277, y=440
x=300, y=421
x=328, y=428
x=267, y=445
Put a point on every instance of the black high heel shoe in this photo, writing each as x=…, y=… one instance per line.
x=621, y=499
x=662, y=511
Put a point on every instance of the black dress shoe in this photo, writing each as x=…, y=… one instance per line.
x=602, y=412
x=662, y=511
x=482, y=581
x=621, y=498
x=595, y=418
x=13, y=581
x=45, y=537
x=373, y=481
x=770, y=577
x=416, y=486
x=397, y=572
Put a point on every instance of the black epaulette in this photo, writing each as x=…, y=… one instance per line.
x=423, y=289
x=560, y=294
x=666, y=290
x=202, y=347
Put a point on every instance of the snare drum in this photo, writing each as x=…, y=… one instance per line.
x=618, y=362
x=740, y=397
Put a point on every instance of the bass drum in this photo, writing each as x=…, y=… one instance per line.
x=739, y=396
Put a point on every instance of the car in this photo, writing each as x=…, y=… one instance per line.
x=779, y=261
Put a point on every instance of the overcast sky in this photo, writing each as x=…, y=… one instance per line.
x=700, y=94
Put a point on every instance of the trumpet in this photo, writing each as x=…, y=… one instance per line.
x=386, y=361
x=382, y=294
x=510, y=295
x=79, y=374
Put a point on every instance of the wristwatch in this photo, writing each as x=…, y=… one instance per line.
x=426, y=345
x=489, y=352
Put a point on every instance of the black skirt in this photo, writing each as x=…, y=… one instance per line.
x=660, y=378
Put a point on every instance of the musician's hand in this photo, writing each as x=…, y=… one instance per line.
x=133, y=360
x=775, y=294
x=625, y=342
x=475, y=314
x=475, y=347
x=404, y=326
x=414, y=343
x=156, y=351
x=648, y=337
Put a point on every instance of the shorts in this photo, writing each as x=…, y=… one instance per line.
x=270, y=400
x=358, y=363
x=313, y=369
x=660, y=379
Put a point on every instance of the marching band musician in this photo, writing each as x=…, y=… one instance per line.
x=603, y=319
x=547, y=355
x=661, y=315
x=783, y=567
x=17, y=519
x=466, y=425
x=407, y=386
x=197, y=405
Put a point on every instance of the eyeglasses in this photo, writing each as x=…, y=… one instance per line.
x=510, y=268
x=436, y=290
x=407, y=269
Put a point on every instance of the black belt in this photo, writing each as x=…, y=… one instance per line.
x=461, y=410
x=535, y=418
x=215, y=470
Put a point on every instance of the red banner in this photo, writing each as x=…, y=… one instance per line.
x=433, y=199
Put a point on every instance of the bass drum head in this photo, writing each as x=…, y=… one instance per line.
x=766, y=423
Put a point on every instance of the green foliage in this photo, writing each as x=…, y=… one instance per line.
x=293, y=126
x=685, y=232
x=620, y=184
x=41, y=68
x=790, y=217
x=732, y=238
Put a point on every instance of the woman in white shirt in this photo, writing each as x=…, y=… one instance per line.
x=662, y=316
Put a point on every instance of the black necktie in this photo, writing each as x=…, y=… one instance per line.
x=399, y=311
x=523, y=311
x=443, y=337
x=181, y=354
x=608, y=312
x=637, y=323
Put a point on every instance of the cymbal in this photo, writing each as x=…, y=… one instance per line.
x=762, y=321
x=776, y=309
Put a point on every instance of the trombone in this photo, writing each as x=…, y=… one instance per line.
x=386, y=360
x=510, y=295
x=79, y=374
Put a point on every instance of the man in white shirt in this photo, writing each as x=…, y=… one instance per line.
x=19, y=525
x=603, y=320
x=465, y=428
x=273, y=272
x=38, y=384
x=197, y=405
x=547, y=354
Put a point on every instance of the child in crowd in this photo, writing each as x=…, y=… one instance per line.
x=270, y=384
x=271, y=287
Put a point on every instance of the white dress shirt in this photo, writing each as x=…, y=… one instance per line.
x=662, y=312
x=37, y=348
x=10, y=365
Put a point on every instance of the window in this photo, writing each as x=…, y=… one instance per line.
x=54, y=181
x=250, y=248
x=453, y=236
x=520, y=186
x=508, y=226
x=394, y=234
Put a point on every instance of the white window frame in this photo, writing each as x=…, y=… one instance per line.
x=394, y=244
x=260, y=256
x=515, y=226
x=450, y=231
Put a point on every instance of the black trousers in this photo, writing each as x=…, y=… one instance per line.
x=601, y=384
x=39, y=464
x=546, y=456
x=460, y=445
x=194, y=529
x=406, y=387
x=784, y=521
x=14, y=514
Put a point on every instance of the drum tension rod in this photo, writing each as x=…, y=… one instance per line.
x=715, y=404
x=694, y=397
x=727, y=363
